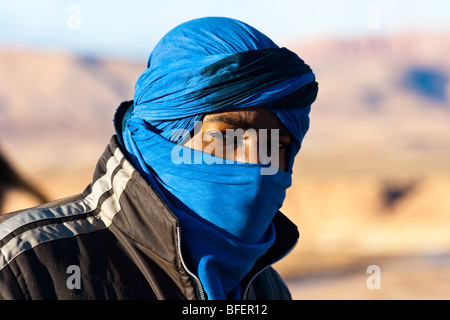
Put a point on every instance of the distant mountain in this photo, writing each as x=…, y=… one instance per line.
x=54, y=108
x=374, y=94
x=390, y=95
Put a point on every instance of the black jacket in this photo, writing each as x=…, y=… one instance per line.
x=116, y=240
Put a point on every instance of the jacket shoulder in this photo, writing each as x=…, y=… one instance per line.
x=6, y=216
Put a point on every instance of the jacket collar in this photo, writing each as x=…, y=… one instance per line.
x=147, y=220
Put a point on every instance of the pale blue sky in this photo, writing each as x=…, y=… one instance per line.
x=132, y=28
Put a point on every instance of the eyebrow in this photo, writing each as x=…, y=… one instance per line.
x=237, y=123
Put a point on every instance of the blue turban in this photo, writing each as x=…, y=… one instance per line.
x=225, y=211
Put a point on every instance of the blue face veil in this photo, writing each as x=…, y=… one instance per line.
x=225, y=210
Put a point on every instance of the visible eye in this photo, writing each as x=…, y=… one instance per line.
x=235, y=141
x=283, y=145
x=212, y=134
x=284, y=142
x=280, y=145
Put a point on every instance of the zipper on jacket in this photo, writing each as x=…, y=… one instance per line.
x=197, y=280
x=244, y=297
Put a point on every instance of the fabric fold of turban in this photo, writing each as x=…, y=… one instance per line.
x=217, y=64
x=273, y=77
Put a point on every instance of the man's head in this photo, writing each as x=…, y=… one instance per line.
x=208, y=66
x=217, y=120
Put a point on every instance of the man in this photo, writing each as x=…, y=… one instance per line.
x=184, y=201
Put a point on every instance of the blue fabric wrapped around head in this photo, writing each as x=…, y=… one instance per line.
x=225, y=211
x=211, y=64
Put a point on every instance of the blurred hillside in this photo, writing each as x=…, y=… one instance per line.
x=371, y=182
x=372, y=178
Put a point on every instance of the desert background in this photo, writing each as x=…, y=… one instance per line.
x=371, y=182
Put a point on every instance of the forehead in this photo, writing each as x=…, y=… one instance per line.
x=256, y=118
